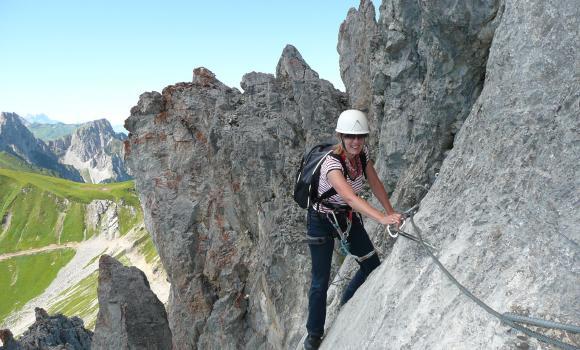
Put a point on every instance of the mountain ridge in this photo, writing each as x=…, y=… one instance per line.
x=18, y=141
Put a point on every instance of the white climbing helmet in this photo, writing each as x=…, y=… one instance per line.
x=352, y=121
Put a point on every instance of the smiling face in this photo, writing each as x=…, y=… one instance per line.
x=354, y=144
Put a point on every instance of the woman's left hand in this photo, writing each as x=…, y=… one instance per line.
x=398, y=218
x=394, y=219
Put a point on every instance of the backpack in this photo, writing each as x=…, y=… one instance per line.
x=308, y=175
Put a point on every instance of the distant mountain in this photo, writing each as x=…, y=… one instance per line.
x=40, y=119
x=52, y=131
x=19, y=142
x=95, y=150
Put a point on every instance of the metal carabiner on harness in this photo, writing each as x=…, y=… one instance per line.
x=344, y=245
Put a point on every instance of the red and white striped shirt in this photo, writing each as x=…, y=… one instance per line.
x=331, y=163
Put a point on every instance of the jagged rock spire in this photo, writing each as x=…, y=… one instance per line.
x=130, y=315
x=292, y=66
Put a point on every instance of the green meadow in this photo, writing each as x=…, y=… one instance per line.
x=47, y=132
x=8, y=161
x=76, y=191
x=25, y=277
x=39, y=210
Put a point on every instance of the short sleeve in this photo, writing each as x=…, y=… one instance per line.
x=330, y=163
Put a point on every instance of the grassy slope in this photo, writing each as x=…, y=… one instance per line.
x=76, y=191
x=8, y=161
x=33, y=209
x=73, y=229
x=23, y=278
x=81, y=299
x=33, y=203
x=24, y=233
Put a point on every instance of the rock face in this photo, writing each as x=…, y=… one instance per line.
x=50, y=332
x=215, y=169
x=130, y=315
x=17, y=140
x=504, y=209
x=417, y=71
x=95, y=150
x=356, y=34
x=102, y=217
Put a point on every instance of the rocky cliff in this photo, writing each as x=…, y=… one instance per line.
x=480, y=99
x=17, y=140
x=95, y=150
x=215, y=168
x=418, y=72
x=504, y=209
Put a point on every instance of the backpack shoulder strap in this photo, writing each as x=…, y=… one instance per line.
x=331, y=192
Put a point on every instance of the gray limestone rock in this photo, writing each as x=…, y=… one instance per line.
x=417, y=71
x=215, y=168
x=49, y=333
x=102, y=217
x=503, y=211
x=130, y=315
x=292, y=67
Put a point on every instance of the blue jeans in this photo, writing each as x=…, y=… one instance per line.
x=360, y=244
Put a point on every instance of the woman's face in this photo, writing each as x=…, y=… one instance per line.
x=354, y=143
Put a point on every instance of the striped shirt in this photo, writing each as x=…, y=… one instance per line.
x=331, y=163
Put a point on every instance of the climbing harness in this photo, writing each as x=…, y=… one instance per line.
x=509, y=319
x=343, y=235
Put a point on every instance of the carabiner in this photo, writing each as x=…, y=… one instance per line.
x=394, y=235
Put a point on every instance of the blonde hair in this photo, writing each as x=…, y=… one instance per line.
x=338, y=149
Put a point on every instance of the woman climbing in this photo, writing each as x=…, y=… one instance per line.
x=339, y=216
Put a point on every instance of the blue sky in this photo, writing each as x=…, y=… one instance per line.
x=82, y=60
